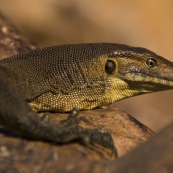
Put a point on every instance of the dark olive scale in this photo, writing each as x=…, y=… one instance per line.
x=61, y=77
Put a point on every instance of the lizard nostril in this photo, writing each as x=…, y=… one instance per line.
x=151, y=63
x=110, y=67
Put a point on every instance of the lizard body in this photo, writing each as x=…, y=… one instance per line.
x=86, y=76
x=59, y=78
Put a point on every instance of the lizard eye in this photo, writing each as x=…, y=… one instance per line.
x=151, y=63
x=110, y=67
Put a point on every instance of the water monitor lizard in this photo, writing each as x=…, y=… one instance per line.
x=85, y=76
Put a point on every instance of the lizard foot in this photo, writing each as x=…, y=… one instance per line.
x=86, y=136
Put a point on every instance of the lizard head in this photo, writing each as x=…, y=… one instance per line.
x=134, y=71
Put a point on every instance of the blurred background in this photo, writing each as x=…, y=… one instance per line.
x=146, y=24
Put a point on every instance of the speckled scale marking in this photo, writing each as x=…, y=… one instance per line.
x=59, y=78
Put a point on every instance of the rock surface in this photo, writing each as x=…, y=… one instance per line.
x=33, y=156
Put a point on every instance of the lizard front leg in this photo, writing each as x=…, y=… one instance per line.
x=16, y=115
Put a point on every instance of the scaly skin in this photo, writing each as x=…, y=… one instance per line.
x=85, y=76
x=62, y=77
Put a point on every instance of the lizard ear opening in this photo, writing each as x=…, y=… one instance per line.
x=109, y=67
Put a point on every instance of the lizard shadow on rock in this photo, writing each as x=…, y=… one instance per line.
x=8, y=133
x=140, y=125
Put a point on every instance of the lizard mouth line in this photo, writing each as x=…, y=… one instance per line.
x=146, y=78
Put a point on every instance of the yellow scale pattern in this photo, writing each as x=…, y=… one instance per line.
x=59, y=78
